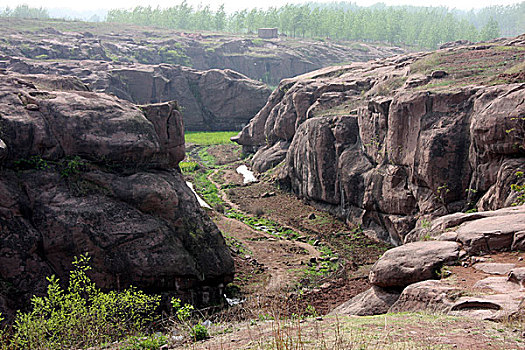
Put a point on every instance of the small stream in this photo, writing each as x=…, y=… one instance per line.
x=201, y=201
x=249, y=177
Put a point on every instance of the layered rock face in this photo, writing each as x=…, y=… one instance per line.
x=265, y=60
x=210, y=100
x=392, y=143
x=85, y=172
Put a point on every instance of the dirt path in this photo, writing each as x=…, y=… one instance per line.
x=281, y=259
x=223, y=195
x=271, y=270
x=294, y=268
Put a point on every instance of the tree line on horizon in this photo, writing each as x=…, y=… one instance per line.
x=422, y=27
x=417, y=26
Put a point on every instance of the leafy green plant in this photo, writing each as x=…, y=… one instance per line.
x=311, y=311
x=82, y=315
x=33, y=162
x=72, y=166
x=152, y=342
x=183, y=312
x=189, y=167
x=520, y=189
x=199, y=332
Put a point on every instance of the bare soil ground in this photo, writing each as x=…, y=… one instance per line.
x=274, y=275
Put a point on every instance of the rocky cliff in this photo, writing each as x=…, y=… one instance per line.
x=87, y=172
x=391, y=143
x=266, y=60
x=210, y=100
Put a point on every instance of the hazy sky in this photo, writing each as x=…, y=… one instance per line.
x=239, y=4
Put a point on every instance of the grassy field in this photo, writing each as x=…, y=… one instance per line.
x=205, y=138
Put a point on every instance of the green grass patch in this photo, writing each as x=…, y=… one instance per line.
x=209, y=138
x=263, y=224
x=516, y=68
x=189, y=167
x=207, y=190
x=426, y=64
x=206, y=159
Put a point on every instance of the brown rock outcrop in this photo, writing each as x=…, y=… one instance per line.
x=373, y=301
x=391, y=155
x=88, y=172
x=210, y=100
x=413, y=262
x=482, y=232
x=413, y=268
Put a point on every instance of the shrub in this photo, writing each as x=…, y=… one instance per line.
x=520, y=189
x=82, y=315
x=153, y=342
x=199, y=332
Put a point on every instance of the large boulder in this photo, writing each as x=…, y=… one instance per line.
x=413, y=262
x=482, y=232
x=429, y=295
x=85, y=172
x=373, y=301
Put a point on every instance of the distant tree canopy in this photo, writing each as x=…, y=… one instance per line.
x=24, y=11
x=423, y=27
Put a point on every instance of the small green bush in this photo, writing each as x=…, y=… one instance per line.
x=183, y=313
x=520, y=189
x=72, y=166
x=199, y=332
x=82, y=315
x=153, y=342
x=33, y=162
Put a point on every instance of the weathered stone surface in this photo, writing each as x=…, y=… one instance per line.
x=490, y=234
x=412, y=154
x=413, y=262
x=448, y=236
x=488, y=307
x=374, y=301
x=497, y=285
x=211, y=100
x=270, y=156
x=494, y=268
x=517, y=276
x=430, y=296
x=266, y=60
x=518, y=242
x=502, y=224
x=87, y=172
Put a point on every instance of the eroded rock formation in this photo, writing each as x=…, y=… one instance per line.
x=210, y=100
x=87, y=172
x=265, y=60
x=393, y=143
